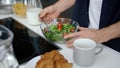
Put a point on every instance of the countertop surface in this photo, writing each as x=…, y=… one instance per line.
x=108, y=58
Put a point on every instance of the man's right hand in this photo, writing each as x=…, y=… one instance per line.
x=49, y=13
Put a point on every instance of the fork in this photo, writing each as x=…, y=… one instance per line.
x=47, y=27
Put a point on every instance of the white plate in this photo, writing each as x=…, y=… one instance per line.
x=32, y=62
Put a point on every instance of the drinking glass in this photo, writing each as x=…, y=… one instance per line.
x=33, y=11
x=7, y=58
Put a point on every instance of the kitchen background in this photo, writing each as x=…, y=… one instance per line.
x=5, y=5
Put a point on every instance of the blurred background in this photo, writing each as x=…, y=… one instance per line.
x=6, y=6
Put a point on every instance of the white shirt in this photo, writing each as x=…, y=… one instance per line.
x=94, y=13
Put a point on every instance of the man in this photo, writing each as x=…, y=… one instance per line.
x=99, y=20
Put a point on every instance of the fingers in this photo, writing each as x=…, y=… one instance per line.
x=47, y=15
x=71, y=35
x=69, y=45
x=43, y=14
x=69, y=42
x=46, y=20
x=82, y=28
x=75, y=33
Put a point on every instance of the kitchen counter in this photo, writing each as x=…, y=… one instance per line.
x=108, y=58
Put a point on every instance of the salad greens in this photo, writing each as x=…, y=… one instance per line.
x=59, y=31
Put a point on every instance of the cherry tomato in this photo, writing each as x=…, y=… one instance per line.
x=59, y=28
x=59, y=24
x=72, y=29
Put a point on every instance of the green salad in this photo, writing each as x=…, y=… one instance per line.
x=59, y=31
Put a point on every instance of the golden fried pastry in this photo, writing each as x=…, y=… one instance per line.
x=53, y=59
x=60, y=58
x=45, y=63
x=50, y=55
x=63, y=65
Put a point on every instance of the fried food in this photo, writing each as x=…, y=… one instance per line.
x=62, y=65
x=45, y=63
x=53, y=59
x=60, y=58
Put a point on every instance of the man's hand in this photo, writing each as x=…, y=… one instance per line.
x=49, y=13
x=53, y=11
x=93, y=34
